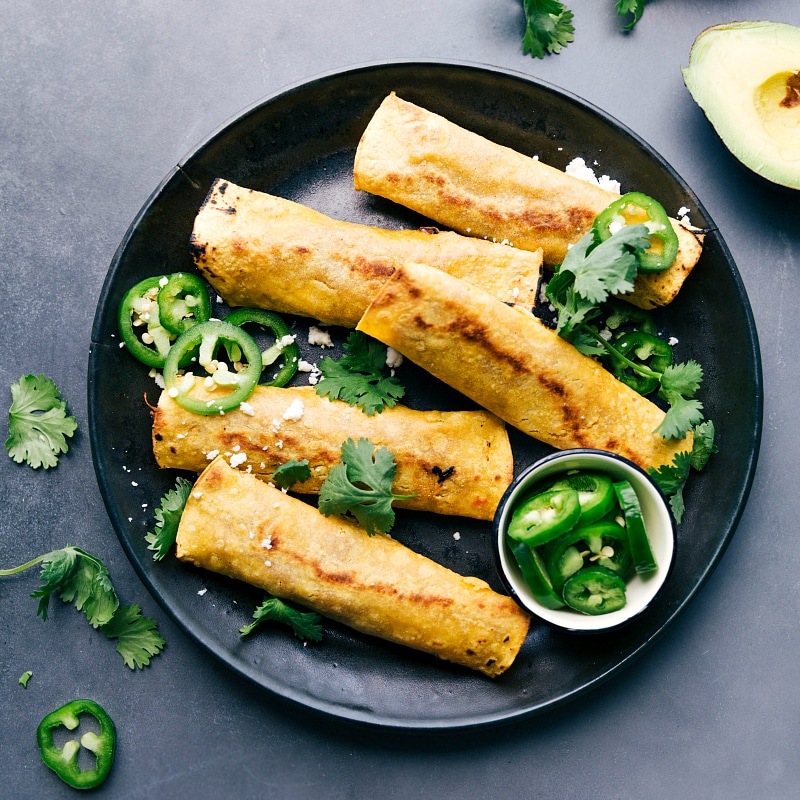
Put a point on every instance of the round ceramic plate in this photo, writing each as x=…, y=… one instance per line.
x=300, y=144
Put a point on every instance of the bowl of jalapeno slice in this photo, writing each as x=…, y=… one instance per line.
x=584, y=540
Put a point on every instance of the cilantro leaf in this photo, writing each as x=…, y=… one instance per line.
x=168, y=515
x=305, y=625
x=671, y=478
x=548, y=27
x=609, y=267
x=357, y=377
x=592, y=271
x=361, y=484
x=38, y=423
x=703, y=445
x=678, y=383
x=635, y=7
x=137, y=636
x=291, y=472
x=80, y=578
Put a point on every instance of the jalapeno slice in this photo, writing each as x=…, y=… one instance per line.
x=642, y=554
x=139, y=311
x=620, y=313
x=645, y=349
x=595, y=494
x=637, y=208
x=595, y=590
x=544, y=516
x=282, y=347
x=603, y=543
x=183, y=301
x=535, y=575
x=64, y=760
x=208, y=337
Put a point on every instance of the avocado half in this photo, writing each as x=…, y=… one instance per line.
x=746, y=78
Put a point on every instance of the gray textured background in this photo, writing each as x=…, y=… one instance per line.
x=97, y=102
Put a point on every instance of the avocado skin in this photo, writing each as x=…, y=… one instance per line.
x=743, y=75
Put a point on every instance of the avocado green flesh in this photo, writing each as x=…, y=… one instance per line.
x=746, y=78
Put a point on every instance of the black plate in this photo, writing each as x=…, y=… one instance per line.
x=300, y=144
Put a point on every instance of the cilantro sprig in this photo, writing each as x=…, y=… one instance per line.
x=357, y=377
x=361, y=484
x=38, y=423
x=168, y=515
x=671, y=478
x=549, y=28
x=590, y=273
x=305, y=625
x=80, y=578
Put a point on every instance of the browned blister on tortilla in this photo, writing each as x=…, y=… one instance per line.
x=477, y=187
x=262, y=251
x=453, y=462
x=238, y=526
x=514, y=366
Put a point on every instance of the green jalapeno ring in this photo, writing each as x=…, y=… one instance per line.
x=620, y=313
x=183, y=301
x=651, y=351
x=595, y=590
x=274, y=323
x=595, y=494
x=137, y=296
x=563, y=557
x=544, y=516
x=64, y=761
x=208, y=337
x=634, y=208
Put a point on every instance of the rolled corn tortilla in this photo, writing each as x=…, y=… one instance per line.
x=238, y=526
x=472, y=185
x=453, y=462
x=514, y=366
x=262, y=251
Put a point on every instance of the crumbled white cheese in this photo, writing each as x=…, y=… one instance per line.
x=267, y=543
x=197, y=495
x=201, y=592
x=319, y=337
x=133, y=483
x=672, y=341
x=457, y=536
x=212, y=454
x=578, y=168
x=238, y=459
x=295, y=411
x=285, y=341
x=246, y=408
x=393, y=358
x=163, y=282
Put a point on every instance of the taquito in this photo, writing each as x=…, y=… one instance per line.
x=453, y=462
x=262, y=251
x=514, y=366
x=239, y=526
x=477, y=187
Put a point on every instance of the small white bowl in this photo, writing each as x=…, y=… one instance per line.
x=641, y=591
